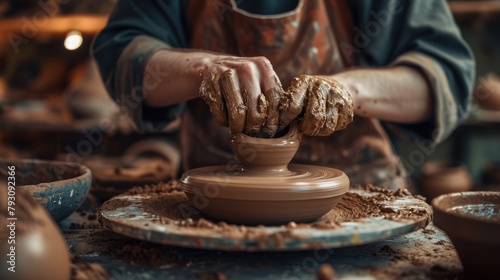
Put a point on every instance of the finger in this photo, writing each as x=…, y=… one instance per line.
x=236, y=109
x=344, y=106
x=210, y=92
x=252, y=96
x=256, y=113
x=272, y=89
x=315, y=109
x=332, y=116
x=273, y=93
x=293, y=100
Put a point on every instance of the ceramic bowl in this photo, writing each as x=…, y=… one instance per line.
x=61, y=187
x=145, y=162
x=472, y=221
x=441, y=177
x=264, y=189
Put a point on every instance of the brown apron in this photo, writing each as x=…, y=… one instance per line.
x=302, y=41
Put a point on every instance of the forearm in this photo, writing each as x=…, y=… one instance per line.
x=400, y=94
x=173, y=76
x=242, y=92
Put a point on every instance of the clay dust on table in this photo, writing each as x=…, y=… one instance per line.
x=437, y=259
x=131, y=251
x=171, y=207
x=87, y=271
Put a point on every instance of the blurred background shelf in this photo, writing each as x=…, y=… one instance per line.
x=88, y=24
x=468, y=8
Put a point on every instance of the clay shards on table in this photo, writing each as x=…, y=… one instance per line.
x=163, y=214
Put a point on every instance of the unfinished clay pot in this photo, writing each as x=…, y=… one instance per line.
x=487, y=93
x=264, y=189
x=39, y=251
x=444, y=177
x=472, y=221
x=145, y=162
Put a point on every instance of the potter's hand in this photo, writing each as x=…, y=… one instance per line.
x=242, y=93
x=323, y=105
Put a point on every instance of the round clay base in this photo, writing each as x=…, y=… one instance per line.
x=301, y=194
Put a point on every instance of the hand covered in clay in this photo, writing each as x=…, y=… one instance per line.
x=243, y=93
x=322, y=105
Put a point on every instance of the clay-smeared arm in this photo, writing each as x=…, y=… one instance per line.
x=242, y=92
x=399, y=94
x=324, y=104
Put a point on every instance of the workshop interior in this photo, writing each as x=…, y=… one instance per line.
x=237, y=139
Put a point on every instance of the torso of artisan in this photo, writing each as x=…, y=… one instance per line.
x=313, y=37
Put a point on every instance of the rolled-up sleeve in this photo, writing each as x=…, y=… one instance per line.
x=135, y=31
x=422, y=35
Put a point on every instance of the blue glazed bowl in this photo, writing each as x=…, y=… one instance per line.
x=61, y=187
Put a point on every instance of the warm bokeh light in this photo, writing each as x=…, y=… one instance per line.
x=73, y=40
